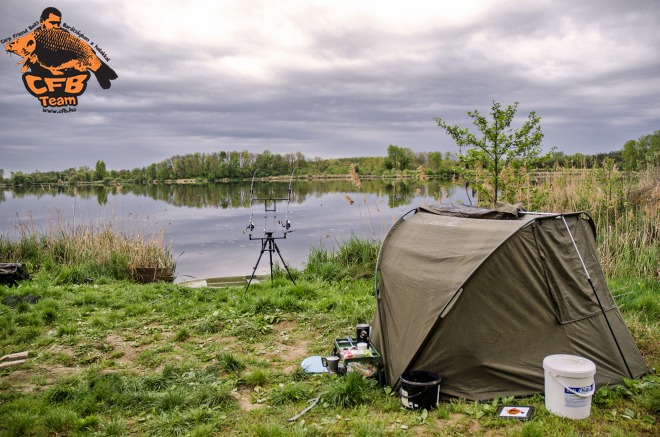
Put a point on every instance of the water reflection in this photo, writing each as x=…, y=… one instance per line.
x=206, y=223
x=237, y=194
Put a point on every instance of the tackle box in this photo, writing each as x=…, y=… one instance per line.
x=344, y=349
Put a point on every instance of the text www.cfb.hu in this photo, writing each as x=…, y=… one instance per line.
x=58, y=111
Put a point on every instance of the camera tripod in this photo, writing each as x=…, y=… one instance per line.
x=269, y=245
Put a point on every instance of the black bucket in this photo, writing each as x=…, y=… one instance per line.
x=420, y=389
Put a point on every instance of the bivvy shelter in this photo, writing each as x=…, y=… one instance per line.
x=480, y=297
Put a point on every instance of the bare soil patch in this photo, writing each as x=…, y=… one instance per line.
x=128, y=351
x=244, y=399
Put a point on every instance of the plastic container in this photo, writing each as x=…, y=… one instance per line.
x=569, y=385
x=350, y=354
x=420, y=389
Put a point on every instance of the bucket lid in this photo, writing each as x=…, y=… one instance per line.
x=569, y=365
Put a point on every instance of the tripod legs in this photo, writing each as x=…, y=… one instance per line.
x=255, y=267
x=283, y=263
x=271, y=247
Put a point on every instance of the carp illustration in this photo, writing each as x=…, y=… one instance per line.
x=56, y=50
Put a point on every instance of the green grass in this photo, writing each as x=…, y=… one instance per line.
x=355, y=259
x=290, y=392
x=639, y=297
x=160, y=359
x=113, y=357
x=350, y=391
x=227, y=362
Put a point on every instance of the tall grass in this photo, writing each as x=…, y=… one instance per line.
x=625, y=208
x=76, y=251
x=354, y=259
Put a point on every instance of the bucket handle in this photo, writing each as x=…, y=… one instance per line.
x=412, y=396
x=582, y=395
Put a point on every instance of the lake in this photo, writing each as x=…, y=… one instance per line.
x=207, y=224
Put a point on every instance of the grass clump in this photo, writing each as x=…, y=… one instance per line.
x=172, y=399
x=213, y=396
x=229, y=363
x=350, y=391
x=60, y=420
x=355, y=259
x=182, y=334
x=257, y=377
x=288, y=393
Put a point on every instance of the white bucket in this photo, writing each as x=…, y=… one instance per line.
x=569, y=385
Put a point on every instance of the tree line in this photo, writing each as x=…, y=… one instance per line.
x=399, y=161
x=241, y=165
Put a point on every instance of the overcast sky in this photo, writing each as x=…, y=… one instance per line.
x=334, y=78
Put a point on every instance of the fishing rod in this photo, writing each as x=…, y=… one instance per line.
x=270, y=206
x=250, y=226
x=268, y=243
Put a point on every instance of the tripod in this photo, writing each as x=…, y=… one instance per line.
x=268, y=244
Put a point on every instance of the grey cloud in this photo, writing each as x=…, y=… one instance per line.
x=353, y=90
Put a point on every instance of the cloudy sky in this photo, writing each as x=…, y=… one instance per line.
x=334, y=78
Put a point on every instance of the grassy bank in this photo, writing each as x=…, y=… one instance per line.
x=112, y=357
x=160, y=359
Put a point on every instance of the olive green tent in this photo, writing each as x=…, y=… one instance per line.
x=480, y=297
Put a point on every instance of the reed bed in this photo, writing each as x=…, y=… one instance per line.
x=354, y=259
x=625, y=208
x=74, y=252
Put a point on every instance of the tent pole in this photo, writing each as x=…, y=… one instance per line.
x=600, y=304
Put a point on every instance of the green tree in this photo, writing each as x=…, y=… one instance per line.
x=630, y=154
x=499, y=145
x=85, y=174
x=398, y=158
x=652, y=142
x=100, y=172
x=152, y=172
x=638, y=155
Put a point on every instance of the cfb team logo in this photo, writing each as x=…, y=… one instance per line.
x=59, y=63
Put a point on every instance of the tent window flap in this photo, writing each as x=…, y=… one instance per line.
x=566, y=279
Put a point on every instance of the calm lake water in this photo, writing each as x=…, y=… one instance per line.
x=206, y=224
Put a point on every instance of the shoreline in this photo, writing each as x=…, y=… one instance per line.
x=286, y=178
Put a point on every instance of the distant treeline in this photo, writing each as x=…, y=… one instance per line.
x=400, y=161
